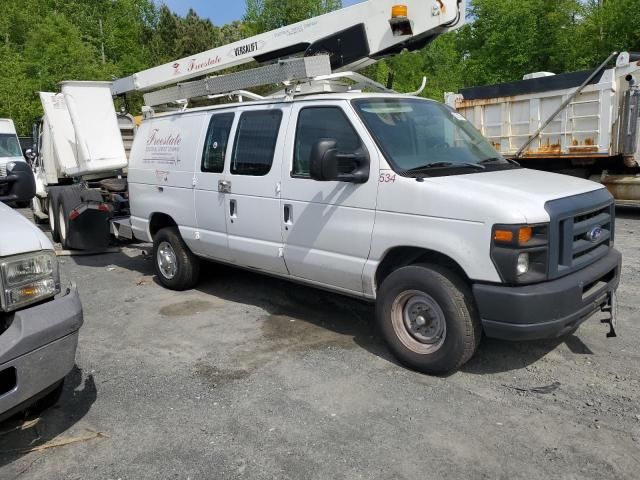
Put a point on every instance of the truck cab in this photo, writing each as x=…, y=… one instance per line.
x=16, y=180
x=391, y=198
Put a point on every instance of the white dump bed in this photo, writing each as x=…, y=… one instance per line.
x=507, y=114
x=57, y=148
x=99, y=146
x=80, y=131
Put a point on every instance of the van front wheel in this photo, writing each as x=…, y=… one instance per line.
x=176, y=267
x=428, y=319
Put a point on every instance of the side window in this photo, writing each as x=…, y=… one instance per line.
x=215, y=144
x=315, y=123
x=255, y=142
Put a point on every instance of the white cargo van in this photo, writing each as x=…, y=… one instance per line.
x=390, y=198
x=16, y=180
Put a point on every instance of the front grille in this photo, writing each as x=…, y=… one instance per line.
x=3, y=170
x=590, y=236
x=581, y=231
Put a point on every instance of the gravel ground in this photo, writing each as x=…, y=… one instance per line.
x=251, y=377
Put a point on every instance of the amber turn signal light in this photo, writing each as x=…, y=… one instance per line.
x=524, y=235
x=503, y=236
x=507, y=236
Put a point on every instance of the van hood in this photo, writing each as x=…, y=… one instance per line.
x=513, y=195
x=542, y=186
x=19, y=235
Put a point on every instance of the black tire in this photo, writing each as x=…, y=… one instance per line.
x=187, y=264
x=23, y=204
x=52, y=211
x=68, y=199
x=48, y=401
x=442, y=302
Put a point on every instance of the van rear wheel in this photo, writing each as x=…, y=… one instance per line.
x=176, y=267
x=428, y=319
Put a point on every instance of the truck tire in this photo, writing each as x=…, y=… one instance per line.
x=176, y=267
x=428, y=318
x=52, y=209
x=68, y=199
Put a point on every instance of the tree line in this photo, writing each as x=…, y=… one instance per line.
x=43, y=42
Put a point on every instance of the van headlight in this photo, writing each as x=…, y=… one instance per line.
x=520, y=252
x=28, y=278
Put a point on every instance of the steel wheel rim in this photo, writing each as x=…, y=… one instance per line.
x=419, y=322
x=52, y=217
x=62, y=226
x=167, y=260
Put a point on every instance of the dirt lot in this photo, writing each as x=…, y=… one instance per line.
x=251, y=377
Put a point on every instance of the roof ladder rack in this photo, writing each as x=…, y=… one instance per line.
x=284, y=71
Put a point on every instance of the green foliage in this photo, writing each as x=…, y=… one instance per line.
x=43, y=42
x=615, y=26
x=509, y=38
x=265, y=15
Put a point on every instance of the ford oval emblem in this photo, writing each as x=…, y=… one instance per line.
x=594, y=234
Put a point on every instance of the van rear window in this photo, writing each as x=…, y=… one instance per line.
x=255, y=142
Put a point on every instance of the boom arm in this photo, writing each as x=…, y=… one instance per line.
x=354, y=37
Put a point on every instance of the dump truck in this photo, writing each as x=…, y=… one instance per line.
x=583, y=124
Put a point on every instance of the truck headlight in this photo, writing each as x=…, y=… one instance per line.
x=520, y=252
x=28, y=278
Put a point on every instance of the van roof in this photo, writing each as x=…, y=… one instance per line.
x=298, y=99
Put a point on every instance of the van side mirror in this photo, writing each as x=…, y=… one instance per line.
x=327, y=164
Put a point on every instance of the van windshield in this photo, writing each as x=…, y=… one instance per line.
x=9, y=145
x=425, y=137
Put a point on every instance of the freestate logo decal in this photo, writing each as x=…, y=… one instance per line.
x=195, y=65
x=162, y=148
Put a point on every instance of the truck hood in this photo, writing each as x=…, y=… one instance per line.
x=19, y=235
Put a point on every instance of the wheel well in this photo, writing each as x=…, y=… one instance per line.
x=399, y=257
x=158, y=221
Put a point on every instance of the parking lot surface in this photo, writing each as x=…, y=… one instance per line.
x=252, y=377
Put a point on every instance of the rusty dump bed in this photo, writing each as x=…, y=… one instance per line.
x=533, y=85
x=590, y=126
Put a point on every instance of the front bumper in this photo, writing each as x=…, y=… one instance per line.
x=38, y=350
x=550, y=309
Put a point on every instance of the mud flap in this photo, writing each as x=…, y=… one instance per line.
x=89, y=228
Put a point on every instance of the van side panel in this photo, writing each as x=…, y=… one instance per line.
x=161, y=171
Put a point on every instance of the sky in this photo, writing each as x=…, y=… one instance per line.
x=218, y=11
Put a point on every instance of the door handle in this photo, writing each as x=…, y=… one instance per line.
x=224, y=186
x=233, y=210
x=288, y=214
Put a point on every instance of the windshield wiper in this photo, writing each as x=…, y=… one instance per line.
x=497, y=160
x=447, y=165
